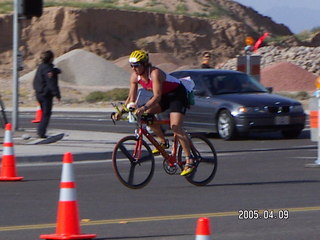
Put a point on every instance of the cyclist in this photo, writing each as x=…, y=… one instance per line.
x=168, y=93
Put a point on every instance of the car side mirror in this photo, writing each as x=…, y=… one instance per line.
x=270, y=89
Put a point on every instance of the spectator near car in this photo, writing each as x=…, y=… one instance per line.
x=206, y=57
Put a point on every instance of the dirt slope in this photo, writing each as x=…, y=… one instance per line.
x=285, y=76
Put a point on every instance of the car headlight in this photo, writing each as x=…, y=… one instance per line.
x=296, y=108
x=243, y=109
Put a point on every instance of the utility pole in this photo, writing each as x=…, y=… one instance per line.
x=22, y=9
x=17, y=60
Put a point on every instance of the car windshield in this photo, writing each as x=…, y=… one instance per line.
x=232, y=83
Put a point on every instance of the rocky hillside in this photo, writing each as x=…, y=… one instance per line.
x=307, y=58
x=221, y=27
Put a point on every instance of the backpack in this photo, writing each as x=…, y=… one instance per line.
x=189, y=84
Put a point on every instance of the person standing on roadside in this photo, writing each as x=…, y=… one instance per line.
x=46, y=87
x=206, y=56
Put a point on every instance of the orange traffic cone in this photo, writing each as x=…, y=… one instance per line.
x=38, y=116
x=203, y=229
x=8, y=168
x=68, y=226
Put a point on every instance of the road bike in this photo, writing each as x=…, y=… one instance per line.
x=3, y=117
x=134, y=163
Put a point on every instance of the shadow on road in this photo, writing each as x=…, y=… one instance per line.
x=263, y=136
x=146, y=237
x=262, y=183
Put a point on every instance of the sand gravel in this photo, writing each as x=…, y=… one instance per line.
x=285, y=76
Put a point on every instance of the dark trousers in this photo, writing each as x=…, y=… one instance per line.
x=46, y=107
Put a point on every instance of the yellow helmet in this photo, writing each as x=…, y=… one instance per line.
x=138, y=56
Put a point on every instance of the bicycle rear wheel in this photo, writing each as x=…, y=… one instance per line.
x=205, y=159
x=133, y=162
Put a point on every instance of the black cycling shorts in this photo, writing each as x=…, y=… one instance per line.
x=175, y=101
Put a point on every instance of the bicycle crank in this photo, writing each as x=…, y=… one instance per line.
x=169, y=169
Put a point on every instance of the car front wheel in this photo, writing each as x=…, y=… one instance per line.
x=226, y=126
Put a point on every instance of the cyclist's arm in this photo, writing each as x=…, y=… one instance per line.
x=131, y=96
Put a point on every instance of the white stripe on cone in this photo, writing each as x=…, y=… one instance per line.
x=68, y=194
x=67, y=173
x=203, y=237
x=8, y=151
x=7, y=136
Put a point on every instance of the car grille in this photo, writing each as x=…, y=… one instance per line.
x=278, y=109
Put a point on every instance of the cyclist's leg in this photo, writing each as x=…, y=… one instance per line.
x=156, y=128
x=178, y=106
x=176, y=120
x=205, y=160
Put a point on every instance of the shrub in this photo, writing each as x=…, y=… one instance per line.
x=296, y=95
x=117, y=94
x=315, y=29
x=304, y=35
x=6, y=6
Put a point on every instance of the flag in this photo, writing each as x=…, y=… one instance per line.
x=260, y=41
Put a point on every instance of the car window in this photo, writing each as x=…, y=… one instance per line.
x=178, y=74
x=231, y=83
x=250, y=84
x=216, y=83
x=219, y=84
x=199, y=85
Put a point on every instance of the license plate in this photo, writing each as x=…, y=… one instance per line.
x=282, y=120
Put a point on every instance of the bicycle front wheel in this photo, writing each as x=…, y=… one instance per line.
x=205, y=159
x=133, y=162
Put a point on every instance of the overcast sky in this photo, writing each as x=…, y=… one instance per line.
x=298, y=15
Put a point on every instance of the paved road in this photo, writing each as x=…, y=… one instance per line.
x=98, y=121
x=169, y=207
x=263, y=172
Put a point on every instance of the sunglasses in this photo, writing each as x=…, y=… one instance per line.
x=135, y=65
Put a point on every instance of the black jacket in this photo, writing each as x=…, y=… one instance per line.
x=45, y=81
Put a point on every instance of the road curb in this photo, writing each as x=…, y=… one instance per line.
x=50, y=158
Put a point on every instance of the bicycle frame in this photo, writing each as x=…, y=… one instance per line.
x=142, y=131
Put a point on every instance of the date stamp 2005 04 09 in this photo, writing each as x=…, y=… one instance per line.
x=263, y=214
